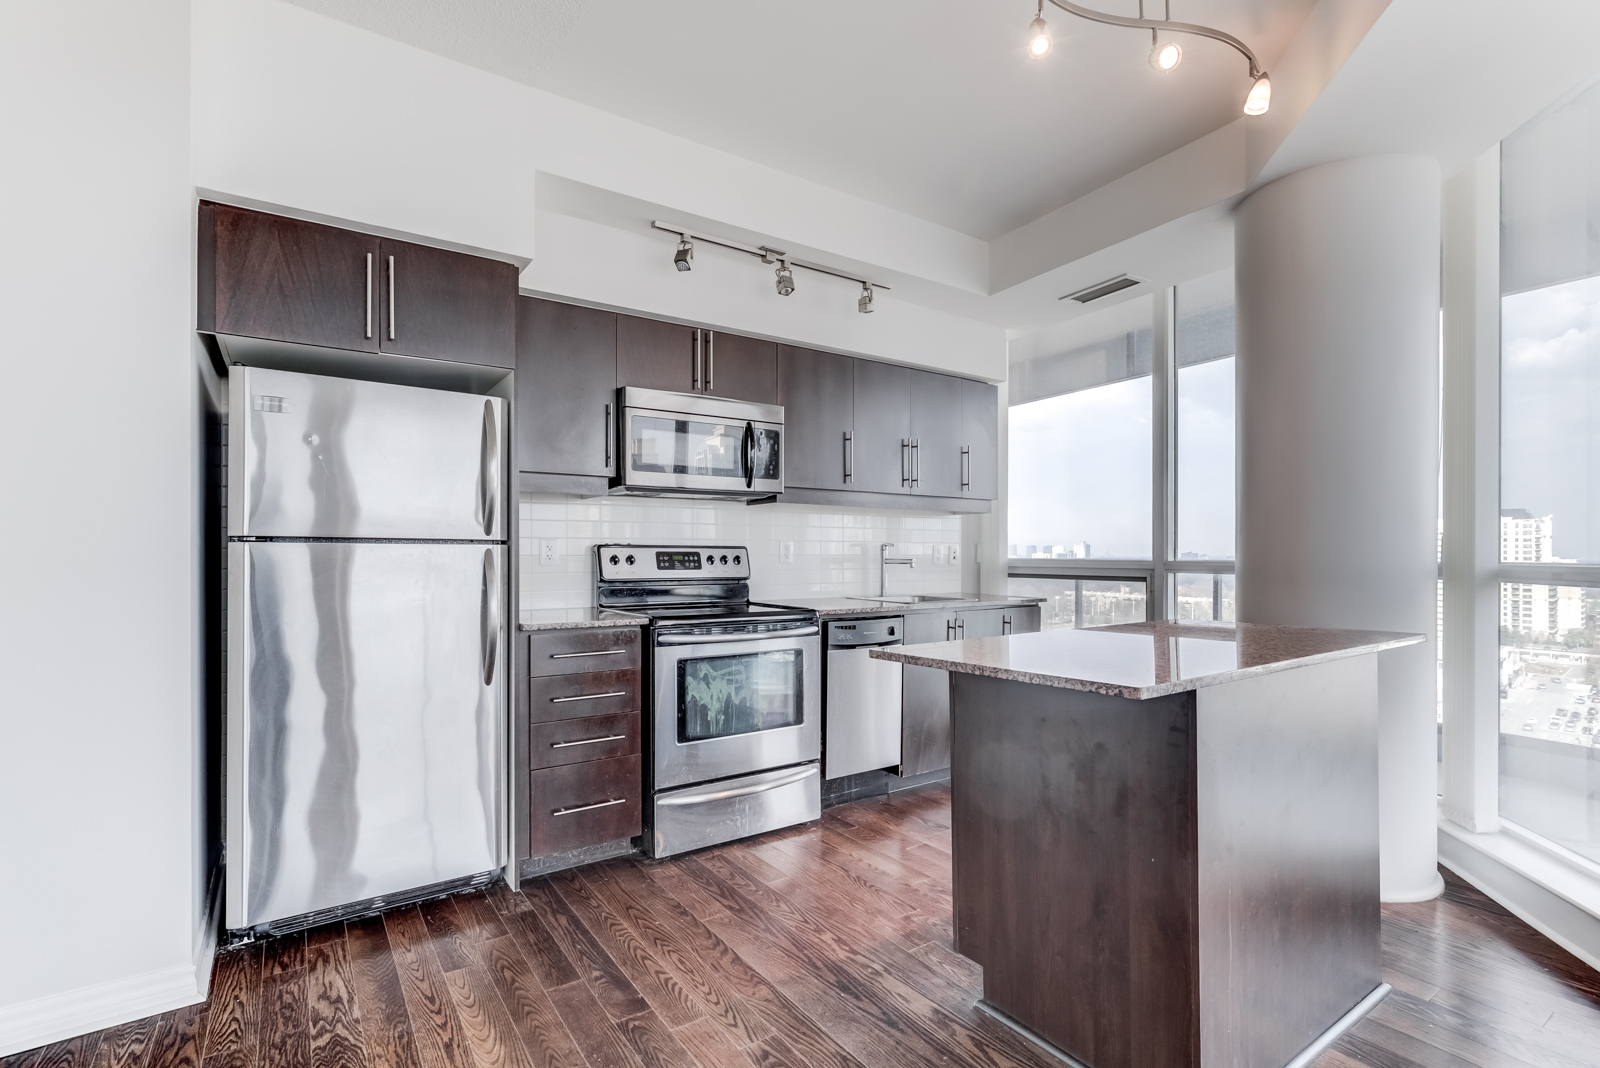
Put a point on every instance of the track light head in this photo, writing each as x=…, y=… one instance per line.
x=1164, y=57
x=1260, y=97
x=785, y=279
x=864, y=304
x=681, y=259
x=1038, y=37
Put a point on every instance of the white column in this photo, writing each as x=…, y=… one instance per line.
x=1471, y=767
x=1338, y=414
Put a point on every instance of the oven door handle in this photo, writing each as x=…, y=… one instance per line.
x=762, y=785
x=711, y=639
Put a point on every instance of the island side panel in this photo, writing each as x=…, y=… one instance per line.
x=1289, y=913
x=1075, y=865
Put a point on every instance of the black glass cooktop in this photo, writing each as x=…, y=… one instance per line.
x=721, y=612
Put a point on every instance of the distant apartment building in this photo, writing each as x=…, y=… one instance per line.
x=1536, y=610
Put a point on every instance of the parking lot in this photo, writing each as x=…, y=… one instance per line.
x=1559, y=709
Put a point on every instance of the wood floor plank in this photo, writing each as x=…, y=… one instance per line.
x=321, y=936
x=548, y=960
x=654, y=980
x=667, y=875
x=284, y=1032
x=597, y=1036
x=494, y=1041
x=653, y=1043
x=717, y=998
x=479, y=918
x=181, y=1040
x=128, y=1045
x=332, y=1009
x=286, y=953
x=774, y=1052
x=235, y=1005
x=434, y=1023
x=711, y=1046
x=385, y=1020
x=611, y=987
x=543, y=1035
x=449, y=936
x=77, y=1052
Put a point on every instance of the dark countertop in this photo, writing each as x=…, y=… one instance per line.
x=1143, y=660
x=851, y=607
x=577, y=619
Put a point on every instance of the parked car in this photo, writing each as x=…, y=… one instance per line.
x=1530, y=723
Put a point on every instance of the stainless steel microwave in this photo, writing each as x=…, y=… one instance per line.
x=690, y=445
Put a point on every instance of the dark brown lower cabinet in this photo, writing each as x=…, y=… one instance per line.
x=573, y=741
x=577, y=805
x=594, y=693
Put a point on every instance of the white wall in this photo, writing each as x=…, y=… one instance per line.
x=299, y=110
x=98, y=675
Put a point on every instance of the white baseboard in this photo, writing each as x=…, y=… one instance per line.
x=91, y=1008
x=1552, y=897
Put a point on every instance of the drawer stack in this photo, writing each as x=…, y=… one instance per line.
x=584, y=782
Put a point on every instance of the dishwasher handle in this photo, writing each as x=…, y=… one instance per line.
x=866, y=645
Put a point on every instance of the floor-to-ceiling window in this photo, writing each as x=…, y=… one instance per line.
x=1120, y=482
x=1549, y=670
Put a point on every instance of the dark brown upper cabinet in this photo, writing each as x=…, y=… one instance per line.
x=882, y=461
x=566, y=389
x=283, y=279
x=817, y=391
x=652, y=354
x=683, y=359
x=279, y=279
x=447, y=305
x=980, y=421
x=740, y=368
x=936, y=435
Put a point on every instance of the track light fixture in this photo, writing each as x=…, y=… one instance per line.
x=1163, y=57
x=1039, y=34
x=766, y=254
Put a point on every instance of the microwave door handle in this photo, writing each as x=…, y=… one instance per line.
x=747, y=446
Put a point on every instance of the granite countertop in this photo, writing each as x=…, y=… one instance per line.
x=1143, y=660
x=871, y=608
x=578, y=619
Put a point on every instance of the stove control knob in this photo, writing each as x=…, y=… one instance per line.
x=724, y=557
x=736, y=559
x=613, y=559
x=630, y=560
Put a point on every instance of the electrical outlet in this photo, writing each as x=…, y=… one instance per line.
x=940, y=553
x=954, y=556
x=786, y=552
x=548, y=555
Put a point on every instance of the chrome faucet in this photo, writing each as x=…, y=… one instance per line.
x=884, y=560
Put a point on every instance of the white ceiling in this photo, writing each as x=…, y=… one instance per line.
x=930, y=107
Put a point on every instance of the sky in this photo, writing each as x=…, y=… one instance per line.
x=1550, y=411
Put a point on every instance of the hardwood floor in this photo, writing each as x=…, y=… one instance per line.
x=826, y=946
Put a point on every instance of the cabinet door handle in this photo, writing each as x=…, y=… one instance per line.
x=369, y=294
x=916, y=462
x=1005, y=624
x=949, y=630
x=849, y=455
x=711, y=358
x=589, y=741
x=598, y=652
x=586, y=808
x=905, y=461
x=610, y=430
x=966, y=467
x=961, y=629
x=588, y=697
x=391, y=298
x=694, y=375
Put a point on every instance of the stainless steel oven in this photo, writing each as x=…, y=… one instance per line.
x=685, y=444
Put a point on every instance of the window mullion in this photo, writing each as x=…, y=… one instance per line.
x=1163, y=475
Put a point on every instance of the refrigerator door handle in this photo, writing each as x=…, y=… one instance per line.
x=490, y=617
x=488, y=471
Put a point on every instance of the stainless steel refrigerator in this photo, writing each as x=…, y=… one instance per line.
x=366, y=644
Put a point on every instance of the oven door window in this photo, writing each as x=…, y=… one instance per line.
x=667, y=446
x=721, y=696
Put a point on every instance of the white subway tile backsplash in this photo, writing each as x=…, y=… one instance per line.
x=835, y=551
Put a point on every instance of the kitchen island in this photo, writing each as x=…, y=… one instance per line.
x=1165, y=836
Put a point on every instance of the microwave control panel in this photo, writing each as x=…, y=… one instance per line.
x=686, y=562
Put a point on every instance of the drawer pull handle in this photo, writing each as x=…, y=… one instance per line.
x=588, y=697
x=586, y=808
x=588, y=741
x=602, y=652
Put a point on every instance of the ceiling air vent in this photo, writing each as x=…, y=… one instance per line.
x=1103, y=289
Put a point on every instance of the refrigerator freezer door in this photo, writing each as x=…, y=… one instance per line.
x=318, y=457
x=365, y=708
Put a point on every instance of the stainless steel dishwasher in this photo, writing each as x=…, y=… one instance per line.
x=863, y=709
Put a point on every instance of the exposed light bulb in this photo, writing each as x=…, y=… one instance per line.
x=1260, y=97
x=864, y=304
x=1166, y=57
x=685, y=253
x=785, y=279
x=1038, y=37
